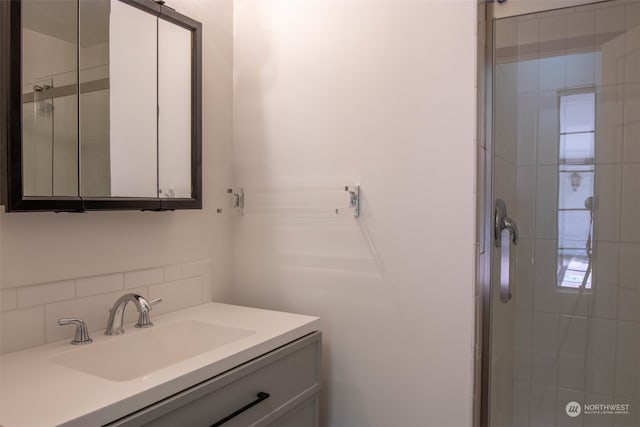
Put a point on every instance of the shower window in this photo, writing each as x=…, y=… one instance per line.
x=576, y=170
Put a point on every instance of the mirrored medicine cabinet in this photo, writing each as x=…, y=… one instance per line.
x=102, y=105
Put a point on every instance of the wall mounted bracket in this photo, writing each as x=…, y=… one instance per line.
x=237, y=200
x=354, y=199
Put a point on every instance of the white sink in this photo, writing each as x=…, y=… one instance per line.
x=126, y=357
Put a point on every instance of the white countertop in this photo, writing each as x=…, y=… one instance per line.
x=35, y=391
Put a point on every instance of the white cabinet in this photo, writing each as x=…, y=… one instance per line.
x=290, y=375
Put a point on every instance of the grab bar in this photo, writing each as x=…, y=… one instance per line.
x=505, y=233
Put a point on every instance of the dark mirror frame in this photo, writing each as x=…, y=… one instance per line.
x=11, y=123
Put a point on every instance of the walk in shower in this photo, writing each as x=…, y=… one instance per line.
x=563, y=319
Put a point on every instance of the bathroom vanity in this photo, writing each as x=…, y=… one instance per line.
x=214, y=364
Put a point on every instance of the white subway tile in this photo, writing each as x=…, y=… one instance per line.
x=627, y=356
x=632, y=62
x=528, y=31
x=545, y=293
x=610, y=20
x=608, y=191
x=546, y=203
x=527, y=128
x=507, y=31
x=22, y=329
x=171, y=272
x=629, y=265
x=604, y=293
x=525, y=207
x=28, y=296
x=630, y=205
x=8, y=299
x=221, y=283
x=609, y=124
x=176, y=295
x=548, y=128
x=134, y=279
x=193, y=269
x=523, y=335
x=628, y=306
x=527, y=74
x=207, y=286
x=631, y=147
x=553, y=27
x=506, y=131
x=99, y=284
x=580, y=24
x=542, y=406
x=632, y=18
x=572, y=350
x=574, y=302
x=631, y=143
x=521, y=398
x=612, y=69
x=94, y=310
x=505, y=187
x=600, y=356
x=546, y=337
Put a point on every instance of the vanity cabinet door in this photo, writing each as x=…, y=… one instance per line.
x=290, y=375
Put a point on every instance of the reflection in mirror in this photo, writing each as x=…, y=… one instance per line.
x=94, y=98
x=49, y=98
x=119, y=100
x=174, y=108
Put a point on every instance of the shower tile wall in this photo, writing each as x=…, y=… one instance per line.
x=572, y=345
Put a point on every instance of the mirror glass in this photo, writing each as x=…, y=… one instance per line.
x=49, y=98
x=118, y=98
x=94, y=98
x=111, y=106
x=174, y=110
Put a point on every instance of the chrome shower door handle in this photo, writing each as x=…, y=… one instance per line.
x=505, y=233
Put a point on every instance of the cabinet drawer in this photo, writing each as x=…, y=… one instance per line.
x=305, y=414
x=289, y=374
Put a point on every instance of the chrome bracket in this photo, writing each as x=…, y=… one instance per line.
x=237, y=199
x=354, y=198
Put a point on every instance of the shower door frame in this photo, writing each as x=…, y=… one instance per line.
x=485, y=208
x=485, y=224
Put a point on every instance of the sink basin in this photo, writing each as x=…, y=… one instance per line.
x=127, y=357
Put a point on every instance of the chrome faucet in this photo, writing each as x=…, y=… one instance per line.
x=82, y=332
x=116, y=314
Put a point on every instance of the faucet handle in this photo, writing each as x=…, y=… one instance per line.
x=144, y=321
x=82, y=332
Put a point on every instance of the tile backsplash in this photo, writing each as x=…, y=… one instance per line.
x=29, y=314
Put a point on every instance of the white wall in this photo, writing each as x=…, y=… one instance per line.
x=41, y=248
x=326, y=94
x=380, y=93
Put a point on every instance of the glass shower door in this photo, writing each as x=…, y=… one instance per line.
x=565, y=347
